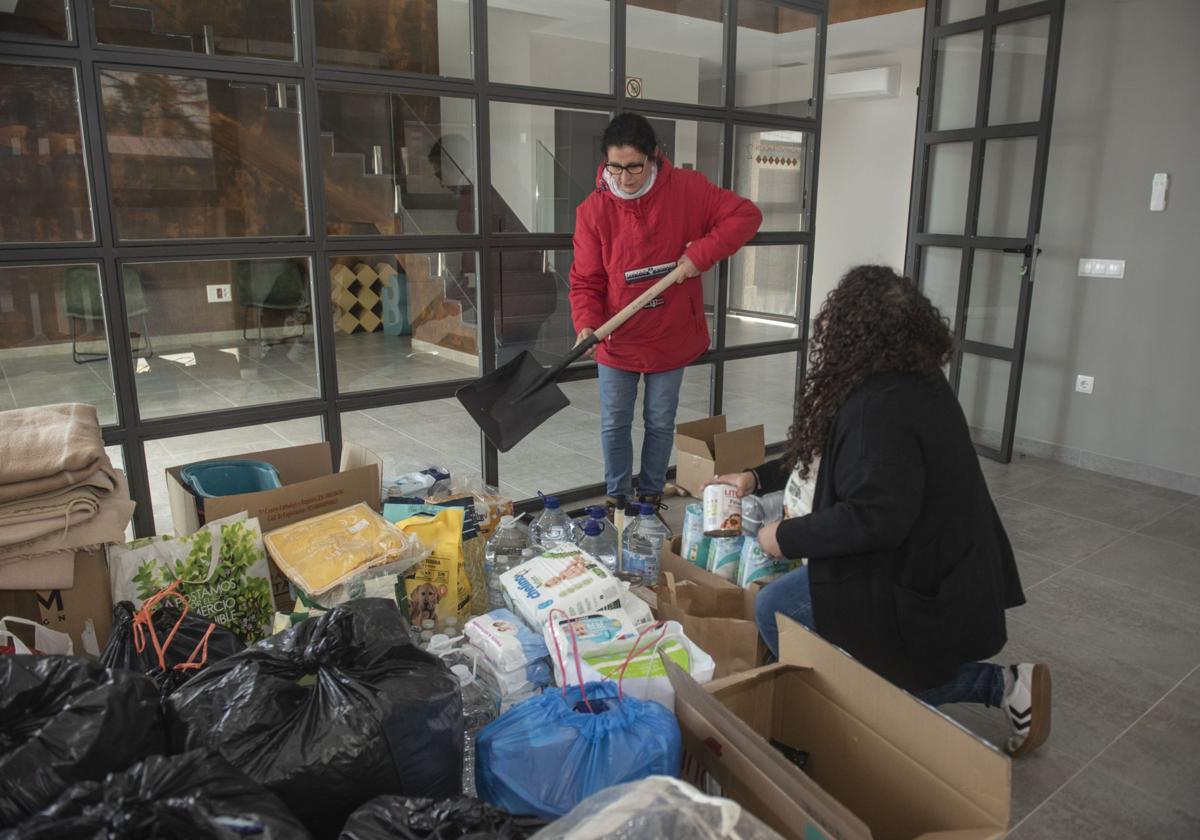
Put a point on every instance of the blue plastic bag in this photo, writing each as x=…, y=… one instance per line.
x=549, y=753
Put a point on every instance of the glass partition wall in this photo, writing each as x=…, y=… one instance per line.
x=238, y=225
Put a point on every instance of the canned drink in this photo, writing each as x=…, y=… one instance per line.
x=722, y=511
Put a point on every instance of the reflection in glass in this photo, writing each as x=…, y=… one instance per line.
x=948, y=181
x=561, y=45
x=983, y=394
x=397, y=164
x=956, y=88
x=53, y=340
x=253, y=345
x=1006, y=191
x=776, y=53
x=956, y=10
x=544, y=163
x=254, y=28
x=940, y=272
x=770, y=167
x=764, y=288
x=42, y=170
x=415, y=436
x=430, y=37
x=691, y=145
x=404, y=319
x=225, y=443
x=195, y=157
x=1018, y=71
x=533, y=310
x=995, y=292
x=692, y=71
x=34, y=19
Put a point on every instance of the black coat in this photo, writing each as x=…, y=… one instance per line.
x=909, y=565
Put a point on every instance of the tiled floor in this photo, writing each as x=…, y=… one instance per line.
x=1111, y=570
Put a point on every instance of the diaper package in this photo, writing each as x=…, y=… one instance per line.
x=594, y=633
x=724, y=557
x=561, y=578
x=756, y=564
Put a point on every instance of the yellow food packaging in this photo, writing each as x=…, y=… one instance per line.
x=315, y=554
x=438, y=587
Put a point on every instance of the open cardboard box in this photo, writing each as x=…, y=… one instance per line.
x=881, y=763
x=705, y=448
x=83, y=612
x=310, y=487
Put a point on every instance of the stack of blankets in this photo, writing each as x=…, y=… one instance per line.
x=59, y=494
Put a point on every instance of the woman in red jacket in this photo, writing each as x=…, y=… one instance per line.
x=645, y=218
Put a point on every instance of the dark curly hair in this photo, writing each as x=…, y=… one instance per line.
x=875, y=321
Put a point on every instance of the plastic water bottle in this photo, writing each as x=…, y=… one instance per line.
x=552, y=527
x=479, y=709
x=501, y=553
x=600, y=546
x=655, y=533
x=643, y=540
x=593, y=513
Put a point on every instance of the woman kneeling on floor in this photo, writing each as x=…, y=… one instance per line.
x=909, y=568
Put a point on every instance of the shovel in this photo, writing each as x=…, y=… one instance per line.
x=520, y=395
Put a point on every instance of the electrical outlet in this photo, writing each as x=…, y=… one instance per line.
x=220, y=293
x=1101, y=268
x=1084, y=384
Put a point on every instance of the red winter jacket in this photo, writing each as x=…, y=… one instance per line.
x=622, y=245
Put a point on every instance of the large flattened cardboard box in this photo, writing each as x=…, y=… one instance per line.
x=705, y=448
x=716, y=614
x=83, y=612
x=881, y=764
x=310, y=487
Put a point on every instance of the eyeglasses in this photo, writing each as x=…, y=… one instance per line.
x=631, y=168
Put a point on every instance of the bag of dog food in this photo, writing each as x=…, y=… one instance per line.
x=438, y=587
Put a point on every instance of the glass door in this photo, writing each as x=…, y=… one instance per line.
x=983, y=135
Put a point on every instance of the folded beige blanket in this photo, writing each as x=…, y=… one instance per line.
x=107, y=526
x=47, y=571
x=47, y=448
x=24, y=520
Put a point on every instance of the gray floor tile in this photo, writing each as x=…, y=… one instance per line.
x=1099, y=500
x=1150, y=564
x=1161, y=753
x=1181, y=526
x=1053, y=535
x=1034, y=569
x=1136, y=627
x=1022, y=472
x=1099, y=806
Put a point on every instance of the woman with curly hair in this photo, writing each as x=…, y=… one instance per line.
x=909, y=568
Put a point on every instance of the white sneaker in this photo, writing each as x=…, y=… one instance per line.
x=1027, y=704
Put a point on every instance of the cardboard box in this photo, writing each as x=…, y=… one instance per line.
x=310, y=487
x=84, y=612
x=881, y=763
x=705, y=449
x=715, y=614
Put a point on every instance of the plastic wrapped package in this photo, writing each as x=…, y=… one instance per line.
x=458, y=818
x=66, y=719
x=657, y=806
x=756, y=565
x=195, y=796
x=560, y=578
x=554, y=750
x=330, y=713
x=321, y=552
x=505, y=640
x=167, y=642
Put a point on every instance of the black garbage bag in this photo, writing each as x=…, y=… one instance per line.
x=330, y=713
x=194, y=796
x=66, y=719
x=456, y=818
x=189, y=642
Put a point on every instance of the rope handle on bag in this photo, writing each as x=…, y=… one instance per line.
x=144, y=619
x=575, y=649
x=658, y=625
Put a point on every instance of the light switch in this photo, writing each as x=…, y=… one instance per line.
x=1101, y=268
x=1158, y=191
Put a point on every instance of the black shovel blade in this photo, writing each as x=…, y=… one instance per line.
x=497, y=404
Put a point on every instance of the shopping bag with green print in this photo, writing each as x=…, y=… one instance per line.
x=221, y=568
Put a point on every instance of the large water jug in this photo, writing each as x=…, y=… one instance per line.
x=552, y=527
x=501, y=553
x=598, y=545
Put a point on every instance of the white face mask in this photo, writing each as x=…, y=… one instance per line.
x=615, y=188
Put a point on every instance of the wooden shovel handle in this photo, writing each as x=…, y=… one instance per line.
x=606, y=329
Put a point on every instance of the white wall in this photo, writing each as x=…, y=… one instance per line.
x=865, y=173
x=1128, y=105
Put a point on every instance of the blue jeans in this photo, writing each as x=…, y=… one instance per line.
x=975, y=682
x=618, y=393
